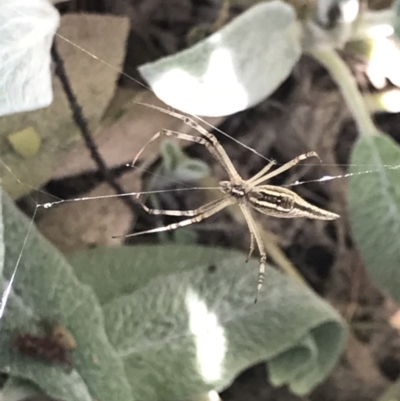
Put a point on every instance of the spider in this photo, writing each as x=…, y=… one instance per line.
x=249, y=194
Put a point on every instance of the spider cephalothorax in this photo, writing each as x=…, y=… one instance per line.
x=238, y=191
x=248, y=194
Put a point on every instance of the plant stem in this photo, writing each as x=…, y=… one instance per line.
x=341, y=74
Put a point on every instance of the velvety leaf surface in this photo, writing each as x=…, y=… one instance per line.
x=26, y=33
x=233, y=69
x=375, y=208
x=19, y=390
x=186, y=322
x=45, y=288
x=396, y=8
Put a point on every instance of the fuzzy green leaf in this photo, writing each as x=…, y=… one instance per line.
x=45, y=288
x=26, y=34
x=235, y=68
x=396, y=9
x=20, y=390
x=187, y=324
x=374, y=200
x=177, y=167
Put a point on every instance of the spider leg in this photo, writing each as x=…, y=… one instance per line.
x=283, y=168
x=263, y=255
x=222, y=155
x=212, y=209
x=192, y=213
x=262, y=171
x=251, y=247
x=191, y=138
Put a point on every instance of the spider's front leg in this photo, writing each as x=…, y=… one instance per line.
x=211, y=144
x=258, y=179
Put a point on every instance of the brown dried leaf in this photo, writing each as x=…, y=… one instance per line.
x=84, y=224
x=93, y=83
x=119, y=141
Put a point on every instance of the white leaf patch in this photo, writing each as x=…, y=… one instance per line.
x=233, y=69
x=26, y=33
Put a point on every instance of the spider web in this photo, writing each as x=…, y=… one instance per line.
x=39, y=206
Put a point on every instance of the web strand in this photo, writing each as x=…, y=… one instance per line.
x=88, y=53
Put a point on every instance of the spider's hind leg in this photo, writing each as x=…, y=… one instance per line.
x=251, y=250
x=191, y=213
x=261, y=272
x=255, y=235
x=198, y=215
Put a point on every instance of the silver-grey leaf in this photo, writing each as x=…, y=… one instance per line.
x=45, y=288
x=374, y=199
x=26, y=34
x=183, y=319
x=233, y=69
